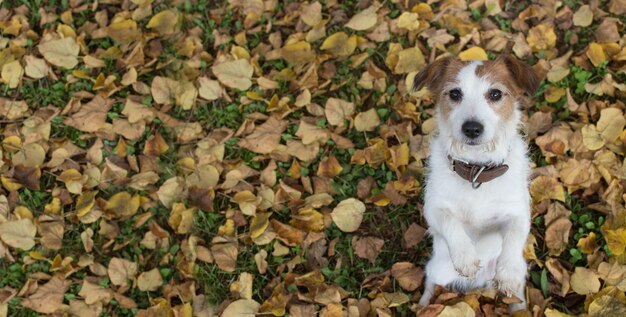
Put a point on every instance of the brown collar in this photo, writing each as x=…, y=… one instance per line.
x=477, y=174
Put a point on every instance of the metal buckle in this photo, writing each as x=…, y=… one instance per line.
x=475, y=185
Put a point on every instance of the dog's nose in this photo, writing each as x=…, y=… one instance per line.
x=472, y=129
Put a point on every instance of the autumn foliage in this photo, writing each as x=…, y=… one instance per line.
x=242, y=157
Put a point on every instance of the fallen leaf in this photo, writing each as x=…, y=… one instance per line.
x=241, y=308
x=340, y=44
x=234, y=74
x=18, y=234
x=363, y=20
x=367, y=247
x=583, y=16
x=473, y=53
x=367, y=121
x=121, y=270
x=585, y=281
x=408, y=275
x=62, y=52
x=48, y=298
x=150, y=281
x=348, y=214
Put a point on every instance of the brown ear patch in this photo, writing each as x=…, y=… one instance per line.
x=436, y=74
x=519, y=78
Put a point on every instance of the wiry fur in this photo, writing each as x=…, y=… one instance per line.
x=478, y=234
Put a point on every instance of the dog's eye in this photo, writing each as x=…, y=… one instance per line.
x=495, y=94
x=455, y=94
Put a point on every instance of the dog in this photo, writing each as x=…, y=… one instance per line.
x=476, y=199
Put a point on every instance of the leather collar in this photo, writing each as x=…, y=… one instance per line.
x=476, y=173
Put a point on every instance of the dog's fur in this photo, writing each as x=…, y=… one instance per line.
x=478, y=234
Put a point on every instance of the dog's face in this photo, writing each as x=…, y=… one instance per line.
x=478, y=101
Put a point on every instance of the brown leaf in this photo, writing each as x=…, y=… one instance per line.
x=266, y=137
x=121, y=270
x=94, y=293
x=19, y=234
x=413, y=236
x=234, y=74
x=408, y=275
x=150, y=281
x=224, y=251
x=338, y=110
x=62, y=52
x=287, y=234
x=329, y=167
x=49, y=297
x=557, y=235
x=91, y=116
x=27, y=176
x=367, y=247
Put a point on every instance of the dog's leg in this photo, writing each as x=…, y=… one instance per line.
x=461, y=249
x=511, y=267
x=439, y=269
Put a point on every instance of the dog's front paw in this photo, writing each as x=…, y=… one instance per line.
x=510, y=279
x=466, y=262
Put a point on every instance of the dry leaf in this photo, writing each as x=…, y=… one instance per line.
x=585, y=281
x=49, y=297
x=18, y=234
x=62, y=52
x=348, y=214
x=235, y=74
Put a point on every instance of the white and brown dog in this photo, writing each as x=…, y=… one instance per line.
x=477, y=203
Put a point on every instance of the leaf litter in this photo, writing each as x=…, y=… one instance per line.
x=237, y=158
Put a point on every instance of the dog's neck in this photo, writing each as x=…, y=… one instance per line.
x=491, y=153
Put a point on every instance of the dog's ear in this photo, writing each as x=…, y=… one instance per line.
x=431, y=75
x=524, y=75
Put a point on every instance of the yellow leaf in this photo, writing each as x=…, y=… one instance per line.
x=298, y=53
x=164, y=22
x=473, y=53
x=591, y=138
x=541, y=37
x=234, y=74
x=247, y=202
x=546, y=187
x=367, y=121
x=259, y=224
x=363, y=20
x=123, y=204
x=461, y=309
x=583, y=16
x=611, y=124
x=329, y=167
x=554, y=94
x=181, y=218
x=84, y=203
x=588, y=244
x=409, y=60
x=348, y=214
x=616, y=240
x=124, y=31
x=596, y=54
x=155, y=145
x=409, y=20
x=585, y=281
x=62, y=52
x=12, y=74
x=339, y=44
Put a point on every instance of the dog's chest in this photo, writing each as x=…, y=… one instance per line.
x=491, y=205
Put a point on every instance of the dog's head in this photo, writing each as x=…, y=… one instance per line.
x=478, y=102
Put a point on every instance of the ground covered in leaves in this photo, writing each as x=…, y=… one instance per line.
x=199, y=157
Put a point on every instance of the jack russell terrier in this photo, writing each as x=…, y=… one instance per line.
x=476, y=201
